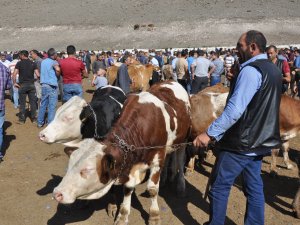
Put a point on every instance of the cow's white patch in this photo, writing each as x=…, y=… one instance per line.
x=179, y=92
x=114, y=87
x=121, y=105
x=218, y=102
x=288, y=135
x=145, y=98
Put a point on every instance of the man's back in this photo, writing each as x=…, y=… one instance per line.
x=202, y=65
x=71, y=69
x=26, y=71
x=48, y=75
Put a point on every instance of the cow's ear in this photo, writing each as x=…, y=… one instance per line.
x=70, y=150
x=105, y=166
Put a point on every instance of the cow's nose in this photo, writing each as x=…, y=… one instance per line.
x=58, y=196
x=42, y=136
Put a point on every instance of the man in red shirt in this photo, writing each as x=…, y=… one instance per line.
x=72, y=71
x=282, y=65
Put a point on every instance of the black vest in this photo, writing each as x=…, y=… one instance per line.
x=258, y=127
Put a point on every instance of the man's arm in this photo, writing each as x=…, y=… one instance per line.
x=14, y=76
x=37, y=73
x=248, y=83
x=57, y=69
x=212, y=69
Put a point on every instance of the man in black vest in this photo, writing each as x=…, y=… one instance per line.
x=246, y=131
x=282, y=65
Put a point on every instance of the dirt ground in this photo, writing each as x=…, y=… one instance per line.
x=106, y=24
x=32, y=169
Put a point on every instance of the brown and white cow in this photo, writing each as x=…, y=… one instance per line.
x=139, y=74
x=158, y=118
x=208, y=104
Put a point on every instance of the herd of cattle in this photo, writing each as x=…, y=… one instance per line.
x=115, y=139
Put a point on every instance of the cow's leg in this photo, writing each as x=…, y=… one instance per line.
x=274, y=154
x=181, y=158
x=285, y=148
x=122, y=218
x=190, y=166
x=164, y=173
x=153, y=188
x=112, y=205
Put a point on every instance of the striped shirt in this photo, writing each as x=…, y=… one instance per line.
x=5, y=83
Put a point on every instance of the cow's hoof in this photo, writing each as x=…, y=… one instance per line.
x=289, y=166
x=154, y=218
x=273, y=174
x=112, y=210
x=120, y=222
x=188, y=172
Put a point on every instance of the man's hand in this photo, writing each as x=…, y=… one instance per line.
x=17, y=85
x=201, y=140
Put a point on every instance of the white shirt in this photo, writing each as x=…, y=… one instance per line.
x=6, y=63
x=154, y=62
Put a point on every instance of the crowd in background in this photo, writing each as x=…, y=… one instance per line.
x=46, y=77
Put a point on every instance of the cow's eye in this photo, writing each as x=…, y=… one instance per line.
x=84, y=173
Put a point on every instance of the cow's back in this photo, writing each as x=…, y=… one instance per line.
x=289, y=117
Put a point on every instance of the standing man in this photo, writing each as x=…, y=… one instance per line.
x=72, y=71
x=182, y=69
x=228, y=62
x=282, y=65
x=5, y=83
x=245, y=131
x=297, y=70
x=200, y=72
x=216, y=75
x=26, y=70
x=4, y=61
x=123, y=80
x=36, y=56
x=49, y=80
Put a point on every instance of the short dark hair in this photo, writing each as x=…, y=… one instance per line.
x=183, y=53
x=254, y=36
x=272, y=46
x=71, y=50
x=200, y=52
x=51, y=52
x=24, y=53
x=15, y=56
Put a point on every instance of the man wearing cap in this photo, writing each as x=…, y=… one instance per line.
x=50, y=70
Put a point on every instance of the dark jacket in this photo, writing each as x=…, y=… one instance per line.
x=258, y=127
x=123, y=80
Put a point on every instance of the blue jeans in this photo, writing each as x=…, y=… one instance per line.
x=214, y=80
x=227, y=168
x=71, y=90
x=2, y=119
x=48, y=100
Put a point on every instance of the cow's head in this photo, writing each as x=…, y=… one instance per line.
x=66, y=125
x=88, y=175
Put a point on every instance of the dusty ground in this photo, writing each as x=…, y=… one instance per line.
x=106, y=24
x=32, y=169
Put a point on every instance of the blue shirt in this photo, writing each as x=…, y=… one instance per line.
x=247, y=84
x=100, y=82
x=190, y=60
x=219, y=68
x=48, y=75
x=297, y=61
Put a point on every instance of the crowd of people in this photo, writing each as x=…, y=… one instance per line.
x=250, y=73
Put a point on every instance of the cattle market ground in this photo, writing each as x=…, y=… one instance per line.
x=32, y=169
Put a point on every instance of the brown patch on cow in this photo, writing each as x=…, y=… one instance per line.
x=123, y=211
x=289, y=117
x=152, y=192
x=155, y=177
x=218, y=88
x=69, y=150
x=104, y=167
x=202, y=113
x=139, y=74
